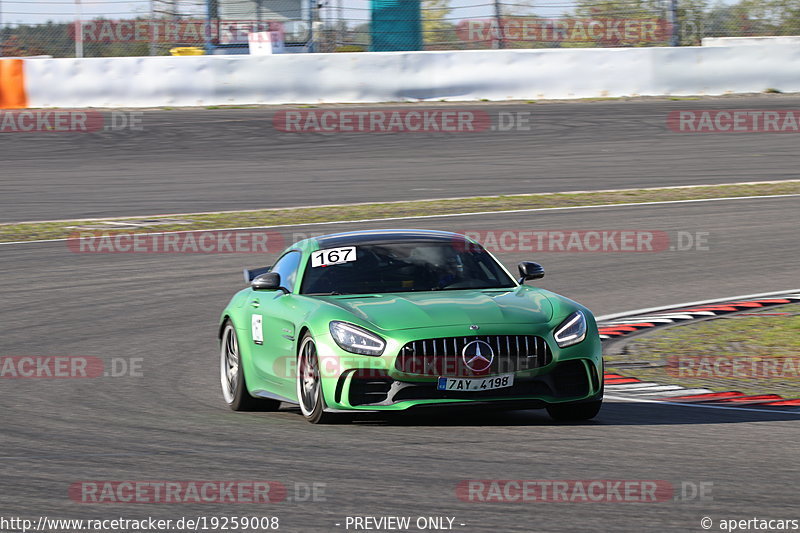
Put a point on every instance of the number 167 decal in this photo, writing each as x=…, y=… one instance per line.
x=333, y=256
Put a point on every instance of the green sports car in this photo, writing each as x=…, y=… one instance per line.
x=392, y=320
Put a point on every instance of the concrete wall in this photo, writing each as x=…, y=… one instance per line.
x=410, y=76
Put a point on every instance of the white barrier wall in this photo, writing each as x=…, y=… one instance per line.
x=410, y=76
x=725, y=70
x=750, y=41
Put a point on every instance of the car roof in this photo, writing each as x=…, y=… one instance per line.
x=383, y=236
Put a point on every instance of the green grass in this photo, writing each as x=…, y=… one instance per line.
x=304, y=215
x=762, y=338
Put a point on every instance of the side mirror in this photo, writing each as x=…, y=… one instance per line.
x=266, y=282
x=529, y=270
x=251, y=273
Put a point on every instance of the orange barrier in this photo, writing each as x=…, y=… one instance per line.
x=12, y=84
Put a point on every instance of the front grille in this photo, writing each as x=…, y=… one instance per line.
x=444, y=356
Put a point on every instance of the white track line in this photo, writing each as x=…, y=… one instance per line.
x=702, y=405
x=666, y=319
x=625, y=314
x=676, y=390
x=683, y=392
x=651, y=389
x=422, y=217
x=631, y=386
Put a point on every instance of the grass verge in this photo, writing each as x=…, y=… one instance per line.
x=30, y=231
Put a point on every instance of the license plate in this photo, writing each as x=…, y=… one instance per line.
x=476, y=384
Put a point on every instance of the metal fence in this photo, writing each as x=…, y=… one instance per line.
x=69, y=28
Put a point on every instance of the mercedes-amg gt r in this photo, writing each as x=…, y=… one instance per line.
x=397, y=319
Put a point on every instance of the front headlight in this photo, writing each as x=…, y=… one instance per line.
x=354, y=339
x=572, y=330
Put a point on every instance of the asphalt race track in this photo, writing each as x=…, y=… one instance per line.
x=171, y=423
x=210, y=160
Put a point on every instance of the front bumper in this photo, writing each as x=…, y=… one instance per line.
x=364, y=383
x=568, y=381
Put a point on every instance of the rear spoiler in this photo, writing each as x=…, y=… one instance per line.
x=252, y=273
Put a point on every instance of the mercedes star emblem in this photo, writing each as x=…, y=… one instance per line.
x=478, y=356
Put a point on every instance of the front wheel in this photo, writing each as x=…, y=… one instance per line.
x=574, y=412
x=231, y=374
x=309, y=384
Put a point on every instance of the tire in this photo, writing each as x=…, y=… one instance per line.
x=232, y=380
x=309, y=384
x=574, y=412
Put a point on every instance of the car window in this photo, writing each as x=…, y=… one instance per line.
x=405, y=267
x=287, y=267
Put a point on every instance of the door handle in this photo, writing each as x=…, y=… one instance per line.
x=255, y=303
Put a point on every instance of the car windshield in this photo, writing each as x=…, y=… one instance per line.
x=402, y=267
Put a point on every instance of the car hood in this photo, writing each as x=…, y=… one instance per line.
x=522, y=305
